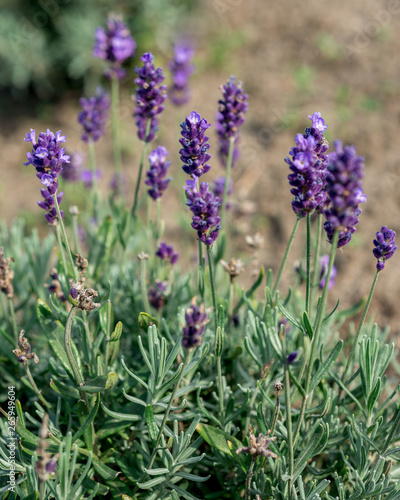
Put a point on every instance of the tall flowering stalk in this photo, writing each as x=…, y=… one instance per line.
x=195, y=146
x=115, y=45
x=150, y=96
x=230, y=116
x=47, y=156
x=181, y=69
x=93, y=119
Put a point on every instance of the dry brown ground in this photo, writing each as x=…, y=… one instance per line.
x=352, y=52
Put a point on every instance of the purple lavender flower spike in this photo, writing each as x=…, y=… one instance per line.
x=49, y=206
x=230, y=116
x=308, y=166
x=150, y=95
x=166, y=252
x=47, y=157
x=94, y=116
x=196, y=320
x=114, y=44
x=195, y=145
x=384, y=246
x=157, y=295
x=156, y=176
x=292, y=356
x=218, y=189
x=324, y=263
x=181, y=69
x=205, y=207
x=344, y=188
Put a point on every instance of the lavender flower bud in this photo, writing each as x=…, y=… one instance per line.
x=230, y=116
x=344, y=187
x=157, y=296
x=156, y=176
x=204, y=206
x=114, y=44
x=324, y=263
x=150, y=95
x=384, y=246
x=166, y=252
x=195, y=145
x=292, y=356
x=94, y=116
x=196, y=320
x=47, y=157
x=181, y=69
x=308, y=166
x=49, y=205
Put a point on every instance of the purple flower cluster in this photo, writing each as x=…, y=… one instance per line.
x=86, y=176
x=181, y=69
x=230, y=116
x=49, y=205
x=114, y=45
x=195, y=145
x=196, y=320
x=166, y=252
x=150, y=95
x=156, y=176
x=218, y=189
x=344, y=188
x=94, y=116
x=205, y=207
x=47, y=157
x=308, y=166
x=324, y=263
x=384, y=246
x=157, y=295
x=71, y=171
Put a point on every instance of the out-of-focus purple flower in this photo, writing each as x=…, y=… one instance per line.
x=224, y=151
x=156, y=176
x=195, y=145
x=114, y=44
x=283, y=321
x=204, y=206
x=181, y=69
x=236, y=320
x=150, y=95
x=49, y=206
x=86, y=177
x=114, y=185
x=196, y=320
x=230, y=116
x=157, y=296
x=166, y=252
x=71, y=171
x=218, y=189
x=384, y=246
x=292, y=356
x=344, y=187
x=324, y=263
x=47, y=157
x=94, y=116
x=55, y=286
x=308, y=166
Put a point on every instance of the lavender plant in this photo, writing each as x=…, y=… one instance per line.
x=129, y=385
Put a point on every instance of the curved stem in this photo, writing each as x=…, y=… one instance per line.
x=226, y=185
x=308, y=264
x=289, y=245
x=64, y=235
x=364, y=315
x=136, y=200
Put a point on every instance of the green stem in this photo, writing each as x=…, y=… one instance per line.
x=252, y=401
x=276, y=413
x=201, y=272
x=289, y=429
x=315, y=339
x=214, y=301
x=74, y=216
x=13, y=319
x=67, y=345
x=249, y=477
x=136, y=200
x=308, y=264
x=61, y=249
x=64, y=235
x=35, y=387
x=115, y=133
x=364, y=315
x=143, y=287
x=316, y=266
x=220, y=390
x=95, y=190
x=226, y=186
x=289, y=245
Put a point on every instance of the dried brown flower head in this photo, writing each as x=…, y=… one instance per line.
x=258, y=446
x=143, y=256
x=23, y=351
x=255, y=242
x=233, y=268
x=277, y=385
x=6, y=275
x=83, y=297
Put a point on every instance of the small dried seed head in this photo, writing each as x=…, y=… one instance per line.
x=74, y=210
x=6, y=275
x=83, y=297
x=23, y=351
x=233, y=268
x=143, y=256
x=81, y=264
x=258, y=446
x=255, y=242
x=277, y=385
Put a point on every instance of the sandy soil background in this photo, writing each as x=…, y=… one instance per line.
x=341, y=58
